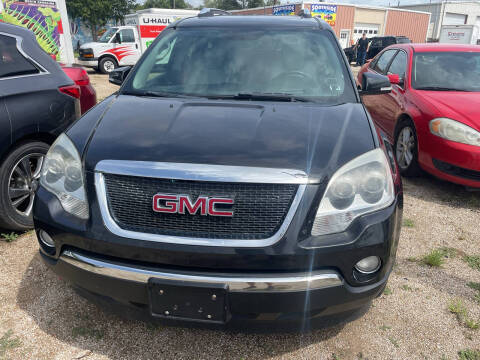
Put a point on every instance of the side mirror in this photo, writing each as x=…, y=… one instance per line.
x=375, y=84
x=119, y=75
x=118, y=38
x=394, y=79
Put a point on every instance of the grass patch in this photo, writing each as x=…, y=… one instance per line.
x=87, y=333
x=385, y=327
x=473, y=261
x=469, y=354
x=408, y=223
x=475, y=286
x=437, y=257
x=459, y=309
x=393, y=341
x=7, y=342
x=406, y=287
x=387, y=291
x=472, y=324
x=412, y=259
x=10, y=237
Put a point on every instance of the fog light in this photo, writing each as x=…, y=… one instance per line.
x=46, y=239
x=368, y=265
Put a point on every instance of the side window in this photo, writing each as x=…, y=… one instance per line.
x=12, y=62
x=383, y=61
x=399, y=65
x=127, y=36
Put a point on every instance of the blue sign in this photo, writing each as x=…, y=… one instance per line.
x=284, y=9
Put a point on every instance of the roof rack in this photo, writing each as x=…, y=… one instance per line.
x=305, y=13
x=206, y=12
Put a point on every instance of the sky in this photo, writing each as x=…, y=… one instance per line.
x=363, y=2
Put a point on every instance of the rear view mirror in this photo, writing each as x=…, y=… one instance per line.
x=375, y=84
x=118, y=38
x=394, y=79
x=119, y=75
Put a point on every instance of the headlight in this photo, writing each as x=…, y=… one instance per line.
x=361, y=186
x=455, y=131
x=62, y=175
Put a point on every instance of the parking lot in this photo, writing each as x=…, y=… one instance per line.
x=430, y=309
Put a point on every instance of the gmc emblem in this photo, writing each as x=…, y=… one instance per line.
x=181, y=204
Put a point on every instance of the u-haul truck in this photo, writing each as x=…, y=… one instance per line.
x=123, y=45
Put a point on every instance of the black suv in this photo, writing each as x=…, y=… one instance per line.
x=377, y=44
x=38, y=101
x=235, y=176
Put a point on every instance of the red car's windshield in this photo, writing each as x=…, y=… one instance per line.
x=446, y=71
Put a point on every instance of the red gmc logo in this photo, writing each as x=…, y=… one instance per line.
x=182, y=204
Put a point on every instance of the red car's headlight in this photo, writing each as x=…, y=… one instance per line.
x=455, y=131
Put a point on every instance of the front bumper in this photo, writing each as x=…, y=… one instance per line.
x=288, y=298
x=291, y=281
x=451, y=161
x=88, y=63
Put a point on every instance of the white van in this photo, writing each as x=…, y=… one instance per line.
x=123, y=45
x=459, y=34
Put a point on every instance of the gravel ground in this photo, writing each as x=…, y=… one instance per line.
x=41, y=317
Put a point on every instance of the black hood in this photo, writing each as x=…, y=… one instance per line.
x=304, y=136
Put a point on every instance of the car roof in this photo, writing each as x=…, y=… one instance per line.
x=32, y=49
x=433, y=47
x=15, y=30
x=252, y=21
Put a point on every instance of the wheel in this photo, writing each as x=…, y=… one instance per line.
x=19, y=176
x=107, y=65
x=406, y=149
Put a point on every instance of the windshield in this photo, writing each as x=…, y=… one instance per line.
x=456, y=71
x=105, y=38
x=226, y=62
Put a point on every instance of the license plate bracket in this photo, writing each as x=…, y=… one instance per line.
x=184, y=300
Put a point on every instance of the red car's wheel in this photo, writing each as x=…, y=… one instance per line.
x=406, y=149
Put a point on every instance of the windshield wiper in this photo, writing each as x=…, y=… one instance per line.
x=262, y=97
x=155, y=94
x=440, y=88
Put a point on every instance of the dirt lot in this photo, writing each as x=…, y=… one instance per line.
x=427, y=312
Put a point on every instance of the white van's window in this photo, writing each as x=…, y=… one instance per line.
x=127, y=36
x=107, y=35
x=209, y=62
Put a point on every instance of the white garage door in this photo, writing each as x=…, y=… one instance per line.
x=454, y=19
x=370, y=29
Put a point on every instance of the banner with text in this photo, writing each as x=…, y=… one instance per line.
x=284, y=9
x=325, y=12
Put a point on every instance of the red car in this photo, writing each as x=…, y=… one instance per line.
x=88, y=96
x=432, y=115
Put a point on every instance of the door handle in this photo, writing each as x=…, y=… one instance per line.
x=136, y=45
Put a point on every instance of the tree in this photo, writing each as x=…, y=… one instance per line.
x=166, y=4
x=96, y=13
x=223, y=4
x=255, y=3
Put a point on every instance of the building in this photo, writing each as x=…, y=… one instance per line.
x=448, y=13
x=350, y=21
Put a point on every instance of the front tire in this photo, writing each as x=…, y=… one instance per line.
x=406, y=149
x=107, y=65
x=19, y=177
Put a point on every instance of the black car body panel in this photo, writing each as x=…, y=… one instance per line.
x=308, y=137
x=33, y=112
x=32, y=104
x=313, y=138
